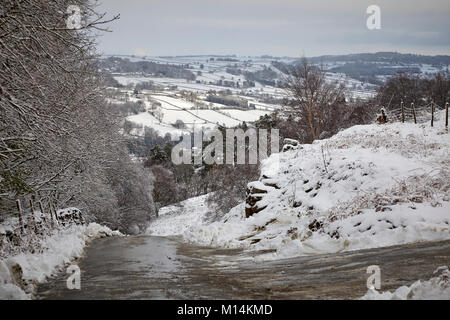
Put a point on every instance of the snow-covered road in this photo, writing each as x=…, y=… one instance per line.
x=148, y=267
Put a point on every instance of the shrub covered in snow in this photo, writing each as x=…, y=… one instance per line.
x=35, y=228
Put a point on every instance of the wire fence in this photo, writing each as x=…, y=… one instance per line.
x=417, y=114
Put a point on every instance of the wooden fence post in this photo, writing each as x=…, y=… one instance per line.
x=44, y=223
x=432, y=113
x=41, y=208
x=51, y=212
x=403, y=112
x=32, y=211
x=19, y=208
x=33, y=214
x=446, y=115
x=414, y=112
x=55, y=213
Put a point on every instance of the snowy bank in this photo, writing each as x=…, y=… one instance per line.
x=437, y=288
x=19, y=274
x=175, y=220
x=368, y=186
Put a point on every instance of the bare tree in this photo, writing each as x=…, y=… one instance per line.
x=411, y=88
x=401, y=87
x=159, y=114
x=58, y=136
x=311, y=96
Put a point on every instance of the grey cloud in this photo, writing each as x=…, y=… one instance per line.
x=280, y=27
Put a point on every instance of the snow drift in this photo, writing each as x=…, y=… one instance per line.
x=19, y=274
x=368, y=186
x=437, y=288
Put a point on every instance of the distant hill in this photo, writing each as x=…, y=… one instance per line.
x=385, y=57
x=375, y=68
x=124, y=65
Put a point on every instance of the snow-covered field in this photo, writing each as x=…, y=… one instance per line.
x=174, y=108
x=210, y=72
x=145, y=119
x=368, y=186
x=19, y=274
x=248, y=116
x=212, y=75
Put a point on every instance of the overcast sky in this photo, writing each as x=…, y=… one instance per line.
x=274, y=27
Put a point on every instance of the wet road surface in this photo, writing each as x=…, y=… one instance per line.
x=146, y=267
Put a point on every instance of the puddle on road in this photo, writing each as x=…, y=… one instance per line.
x=147, y=267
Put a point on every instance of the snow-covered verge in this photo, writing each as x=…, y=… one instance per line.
x=176, y=219
x=437, y=288
x=368, y=186
x=20, y=273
